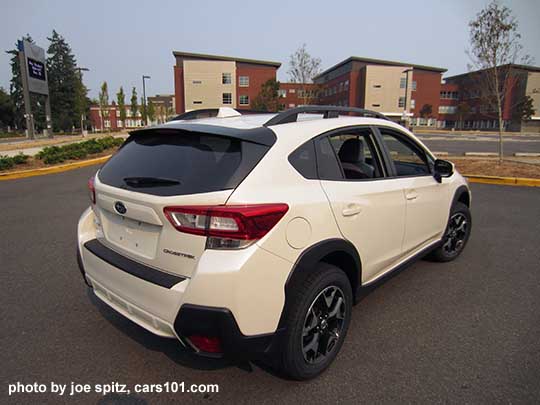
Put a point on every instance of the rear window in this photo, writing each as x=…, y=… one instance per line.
x=180, y=162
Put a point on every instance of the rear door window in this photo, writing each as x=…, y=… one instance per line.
x=180, y=163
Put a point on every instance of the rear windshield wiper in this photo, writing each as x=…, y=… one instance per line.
x=150, y=181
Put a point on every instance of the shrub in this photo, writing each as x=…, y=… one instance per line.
x=7, y=162
x=76, y=151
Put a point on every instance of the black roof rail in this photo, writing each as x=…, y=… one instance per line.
x=328, y=111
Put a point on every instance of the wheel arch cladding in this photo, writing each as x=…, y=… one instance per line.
x=462, y=195
x=338, y=252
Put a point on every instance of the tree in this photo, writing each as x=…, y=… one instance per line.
x=103, y=104
x=16, y=93
x=495, y=46
x=143, y=111
x=121, y=103
x=134, y=106
x=66, y=91
x=426, y=111
x=462, y=109
x=151, y=112
x=268, y=97
x=524, y=109
x=6, y=109
x=302, y=69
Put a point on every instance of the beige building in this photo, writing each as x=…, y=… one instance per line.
x=209, y=84
x=388, y=90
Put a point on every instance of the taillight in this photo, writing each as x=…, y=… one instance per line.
x=227, y=227
x=91, y=189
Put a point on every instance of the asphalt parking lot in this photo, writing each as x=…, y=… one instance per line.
x=466, y=331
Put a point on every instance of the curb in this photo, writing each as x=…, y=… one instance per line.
x=53, y=169
x=508, y=181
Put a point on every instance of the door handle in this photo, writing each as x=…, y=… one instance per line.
x=411, y=195
x=352, y=209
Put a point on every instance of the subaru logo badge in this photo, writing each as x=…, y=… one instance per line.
x=120, y=207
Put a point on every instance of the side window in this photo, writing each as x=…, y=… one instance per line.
x=357, y=155
x=304, y=161
x=408, y=159
x=327, y=164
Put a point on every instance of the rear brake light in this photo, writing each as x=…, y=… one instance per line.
x=228, y=222
x=91, y=189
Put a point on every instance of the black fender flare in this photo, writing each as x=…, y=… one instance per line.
x=316, y=253
x=459, y=192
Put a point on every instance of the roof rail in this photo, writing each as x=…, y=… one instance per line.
x=328, y=111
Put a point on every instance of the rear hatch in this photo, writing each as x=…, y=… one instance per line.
x=158, y=168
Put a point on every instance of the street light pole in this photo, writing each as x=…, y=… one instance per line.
x=144, y=100
x=82, y=69
x=406, y=71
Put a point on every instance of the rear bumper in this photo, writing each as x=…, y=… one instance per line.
x=220, y=300
x=190, y=320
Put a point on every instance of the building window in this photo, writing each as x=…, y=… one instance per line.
x=346, y=85
x=413, y=103
x=244, y=100
x=292, y=91
x=226, y=78
x=282, y=93
x=447, y=109
x=197, y=82
x=243, y=81
x=291, y=105
x=402, y=82
x=340, y=87
x=197, y=102
x=401, y=102
x=227, y=98
x=414, y=85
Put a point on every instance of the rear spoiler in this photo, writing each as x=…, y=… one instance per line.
x=260, y=135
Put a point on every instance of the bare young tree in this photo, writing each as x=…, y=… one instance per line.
x=302, y=69
x=495, y=46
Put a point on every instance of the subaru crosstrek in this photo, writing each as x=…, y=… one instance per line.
x=251, y=236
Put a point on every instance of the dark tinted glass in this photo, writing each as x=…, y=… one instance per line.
x=327, y=164
x=303, y=160
x=181, y=163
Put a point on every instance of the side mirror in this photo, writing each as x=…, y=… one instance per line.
x=443, y=168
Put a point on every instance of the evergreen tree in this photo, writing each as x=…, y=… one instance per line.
x=143, y=112
x=66, y=90
x=134, y=106
x=6, y=109
x=17, y=97
x=103, y=104
x=151, y=112
x=121, y=103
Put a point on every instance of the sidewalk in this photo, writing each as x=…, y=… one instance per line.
x=33, y=147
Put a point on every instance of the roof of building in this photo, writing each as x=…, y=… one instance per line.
x=381, y=62
x=514, y=65
x=226, y=58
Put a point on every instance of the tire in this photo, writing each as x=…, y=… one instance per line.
x=306, y=318
x=455, y=236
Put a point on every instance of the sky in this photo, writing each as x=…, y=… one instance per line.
x=119, y=40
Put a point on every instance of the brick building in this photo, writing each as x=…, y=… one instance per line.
x=395, y=89
x=210, y=81
x=465, y=103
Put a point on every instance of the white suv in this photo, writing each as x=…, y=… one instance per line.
x=251, y=235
